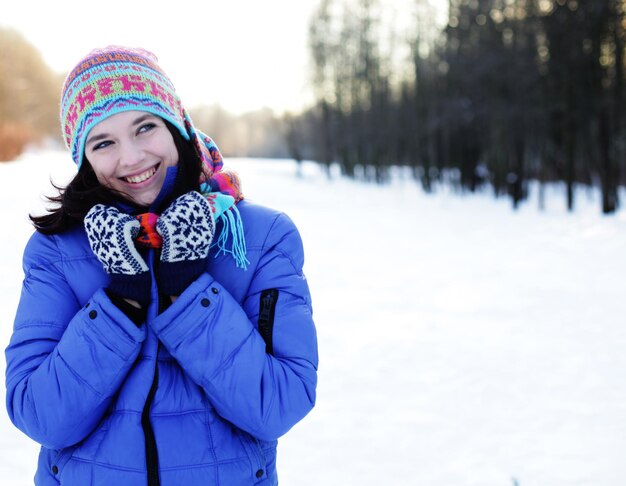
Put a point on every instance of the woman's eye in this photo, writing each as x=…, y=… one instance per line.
x=101, y=145
x=146, y=127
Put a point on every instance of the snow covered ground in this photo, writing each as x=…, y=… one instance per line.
x=461, y=343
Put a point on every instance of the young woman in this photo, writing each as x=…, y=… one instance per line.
x=164, y=333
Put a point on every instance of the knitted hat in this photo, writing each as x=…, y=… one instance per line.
x=112, y=80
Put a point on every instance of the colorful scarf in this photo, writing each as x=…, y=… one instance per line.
x=222, y=189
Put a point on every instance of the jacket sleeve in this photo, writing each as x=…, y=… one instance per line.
x=64, y=362
x=216, y=341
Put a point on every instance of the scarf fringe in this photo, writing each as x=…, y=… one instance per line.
x=232, y=226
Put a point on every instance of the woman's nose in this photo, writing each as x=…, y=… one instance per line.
x=131, y=154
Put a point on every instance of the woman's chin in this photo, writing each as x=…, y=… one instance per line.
x=143, y=199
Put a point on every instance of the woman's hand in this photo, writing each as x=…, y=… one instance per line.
x=111, y=235
x=187, y=227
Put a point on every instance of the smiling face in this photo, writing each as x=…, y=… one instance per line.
x=130, y=153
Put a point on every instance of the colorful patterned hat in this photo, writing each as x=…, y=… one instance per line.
x=112, y=80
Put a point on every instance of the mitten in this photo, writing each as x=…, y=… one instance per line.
x=111, y=235
x=187, y=227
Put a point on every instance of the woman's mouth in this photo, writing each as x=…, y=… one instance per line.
x=139, y=178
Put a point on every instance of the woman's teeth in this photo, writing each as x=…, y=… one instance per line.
x=136, y=179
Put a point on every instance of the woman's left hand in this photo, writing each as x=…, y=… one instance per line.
x=187, y=227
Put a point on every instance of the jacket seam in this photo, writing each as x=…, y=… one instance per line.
x=80, y=378
x=55, y=263
x=45, y=324
x=171, y=468
x=271, y=229
x=64, y=258
x=286, y=255
x=161, y=414
x=111, y=344
x=59, y=262
x=261, y=249
x=207, y=381
x=277, y=247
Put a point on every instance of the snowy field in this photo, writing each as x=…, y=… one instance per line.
x=461, y=343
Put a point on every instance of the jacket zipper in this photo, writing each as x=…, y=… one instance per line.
x=266, y=318
x=152, y=454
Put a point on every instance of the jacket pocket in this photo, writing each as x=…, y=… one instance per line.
x=255, y=454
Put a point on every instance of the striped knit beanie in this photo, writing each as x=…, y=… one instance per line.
x=112, y=80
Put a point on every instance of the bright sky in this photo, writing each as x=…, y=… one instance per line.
x=241, y=54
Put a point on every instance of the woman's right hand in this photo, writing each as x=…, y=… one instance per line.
x=111, y=235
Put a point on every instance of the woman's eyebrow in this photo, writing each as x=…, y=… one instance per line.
x=135, y=122
x=95, y=138
x=142, y=118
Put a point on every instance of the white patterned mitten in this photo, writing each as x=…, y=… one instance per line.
x=187, y=227
x=111, y=235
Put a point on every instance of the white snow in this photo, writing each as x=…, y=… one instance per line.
x=461, y=343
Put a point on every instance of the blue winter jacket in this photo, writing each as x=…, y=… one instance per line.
x=232, y=364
